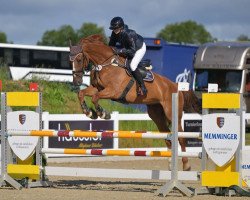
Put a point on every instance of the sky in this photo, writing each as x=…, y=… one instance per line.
x=25, y=21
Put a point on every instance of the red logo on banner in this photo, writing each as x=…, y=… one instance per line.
x=22, y=118
x=220, y=121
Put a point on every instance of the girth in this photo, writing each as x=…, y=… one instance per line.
x=122, y=98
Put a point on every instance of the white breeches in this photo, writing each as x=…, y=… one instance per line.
x=138, y=57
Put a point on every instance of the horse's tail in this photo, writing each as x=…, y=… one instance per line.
x=191, y=102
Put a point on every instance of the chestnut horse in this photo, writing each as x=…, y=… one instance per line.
x=108, y=81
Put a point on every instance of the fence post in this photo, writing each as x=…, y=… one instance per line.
x=115, y=118
x=174, y=183
x=5, y=178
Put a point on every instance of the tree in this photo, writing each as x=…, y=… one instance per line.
x=187, y=32
x=3, y=37
x=88, y=29
x=243, y=37
x=65, y=33
x=59, y=37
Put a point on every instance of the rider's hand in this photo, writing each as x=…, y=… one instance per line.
x=121, y=51
x=118, y=51
x=115, y=50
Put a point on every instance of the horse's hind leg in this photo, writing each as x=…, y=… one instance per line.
x=167, y=107
x=157, y=114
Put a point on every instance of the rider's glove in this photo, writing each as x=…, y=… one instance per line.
x=116, y=50
x=122, y=51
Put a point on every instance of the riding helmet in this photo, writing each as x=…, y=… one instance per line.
x=116, y=22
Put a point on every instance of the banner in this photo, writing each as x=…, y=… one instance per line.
x=23, y=146
x=193, y=126
x=78, y=142
x=221, y=136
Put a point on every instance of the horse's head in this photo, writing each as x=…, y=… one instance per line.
x=79, y=61
x=90, y=50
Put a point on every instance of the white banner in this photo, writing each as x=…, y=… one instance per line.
x=221, y=136
x=246, y=167
x=22, y=146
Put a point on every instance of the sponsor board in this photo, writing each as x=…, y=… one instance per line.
x=193, y=126
x=23, y=147
x=246, y=167
x=221, y=136
x=81, y=142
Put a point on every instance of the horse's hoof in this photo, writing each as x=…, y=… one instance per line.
x=186, y=167
x=107, y=115
x=92, y=114
x=104, y=115
x=89, y=114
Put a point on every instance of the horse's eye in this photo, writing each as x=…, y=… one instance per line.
x=78, y=59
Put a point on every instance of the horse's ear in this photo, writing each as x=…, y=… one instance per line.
x=70, y=43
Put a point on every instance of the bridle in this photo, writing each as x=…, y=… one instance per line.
x=72, y=58
x=76, y=51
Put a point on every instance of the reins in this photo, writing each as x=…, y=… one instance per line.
x=98, y=67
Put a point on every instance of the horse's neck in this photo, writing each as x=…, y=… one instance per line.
x=99, y=54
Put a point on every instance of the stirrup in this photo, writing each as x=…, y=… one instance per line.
x=145, y=91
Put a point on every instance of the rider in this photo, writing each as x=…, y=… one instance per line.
x=133, y=47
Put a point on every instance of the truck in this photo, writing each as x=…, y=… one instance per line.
x=226, y=64
x=172, y=60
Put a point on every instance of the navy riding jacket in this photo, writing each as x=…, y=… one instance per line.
x=129, y=40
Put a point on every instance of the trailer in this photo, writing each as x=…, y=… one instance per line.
x=172, y=60
x=225, y=64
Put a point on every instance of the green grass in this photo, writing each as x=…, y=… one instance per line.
x=247, y=139
x=139, y=126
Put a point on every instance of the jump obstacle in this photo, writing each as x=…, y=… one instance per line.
x=119, y=152
x=34, y=99
x=103, y=134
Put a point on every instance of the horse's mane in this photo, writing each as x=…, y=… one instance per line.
x=96, y=38
x=95, y=41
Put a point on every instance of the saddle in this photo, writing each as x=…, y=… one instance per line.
x=144, y=67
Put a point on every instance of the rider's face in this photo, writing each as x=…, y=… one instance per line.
x=118, y=30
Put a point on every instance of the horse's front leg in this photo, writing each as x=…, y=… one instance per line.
x=107, y=93
x=89, y=91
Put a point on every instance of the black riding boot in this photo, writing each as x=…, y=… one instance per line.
x=139, y=79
